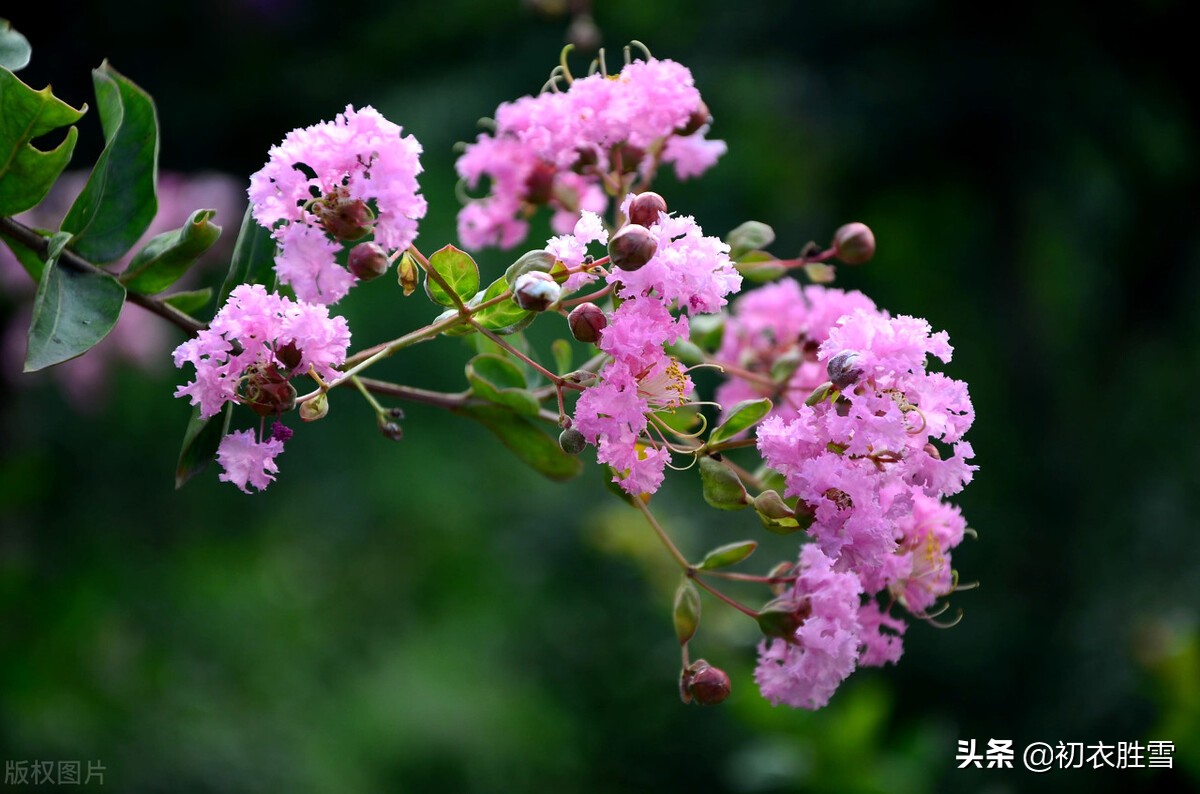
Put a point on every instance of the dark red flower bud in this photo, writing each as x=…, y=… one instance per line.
x=536, y=291
x=631, y=247
x=842, y=369
x=587, y=320
x=705, y=684
x=627, y=157
x=854, y=243
x=644, y=208
x=367, y=261
x=539, y=185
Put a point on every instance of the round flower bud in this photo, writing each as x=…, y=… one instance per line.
x=627, y=157
x=539, y=185
x=644, y=208
x=700, y=116
x=571, y=441
x=391, y=430
x=854, y=243
x=632, y=247
x=536, y=291
x=587, y=320
x=842, y=370
x=781, y=617
x=367, y=261
x=314, y=409
x=345, y=219
x=705, y=684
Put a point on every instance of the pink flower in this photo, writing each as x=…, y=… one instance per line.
x=259, y=331
x=557, y=148
x=776, y=322
x=879, y=647
x=688, y=270
x=804, y=670
x=247, y=461
x=330, y=167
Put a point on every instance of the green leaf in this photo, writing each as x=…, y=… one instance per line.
x=747, y=237
x=200, y=442
x=722, y=488
x=118, y=202
x=686, y=614
x=458, y=270
x=253, y=259
x=610, y=482
x=26, y=173
x=498, y=380
x=14, y=48
x=169, y=255
x=759, y=267
x=191, y=301
x=527, y=440
x=73, y=311
x=506, y=317
x=744, y=415
x=561, y=350
x=30, y=259
x=729, y=554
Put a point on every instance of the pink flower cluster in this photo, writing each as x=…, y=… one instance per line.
x=562, y=148
x=252, y=347
x=688, y=271
x=777, y=323
x=866, y=463
x=317, y=189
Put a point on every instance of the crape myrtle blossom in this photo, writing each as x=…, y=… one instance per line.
x=804, y=669
x=864, y=464
x=252, y=347
x=335, y=181
x=572, y=149
x=687, y=271
x=775, y=324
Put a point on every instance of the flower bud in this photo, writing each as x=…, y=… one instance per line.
x=314, y=409
x=536, y=291
x=539, y=185
x=644, y=208
x=587, y=320
x=771, y=505
x=627, y=157
x=344, y=218
x=367, y=261
x=700, y=116
x=781, y=617
x=854, y=243
x=571, y=441
x=632, y=247
x=705, y=684
x=407, y=273
x=842, y=370
x=391, y=430
x=268, y=392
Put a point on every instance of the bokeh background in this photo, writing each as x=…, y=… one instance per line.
x=430, y=616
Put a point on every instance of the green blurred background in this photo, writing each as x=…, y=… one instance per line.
x=429, y=616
